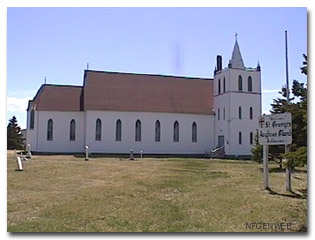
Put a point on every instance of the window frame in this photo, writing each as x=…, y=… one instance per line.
x=240, y=138
x=251, y=115
x=224, y=89
x=50, y=130
x=194, y=132
x=32, y=119
x=118, y=130
x=176, y=131
x=72, y=130
x=250, y=84
x=240, y=83
x=98, y=130
x=239, y=112
x=138, y=131
x=157, y=137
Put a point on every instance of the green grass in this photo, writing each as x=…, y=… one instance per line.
x=68, y=194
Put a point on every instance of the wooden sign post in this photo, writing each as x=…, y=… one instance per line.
x=275, y=129
x=265, y=166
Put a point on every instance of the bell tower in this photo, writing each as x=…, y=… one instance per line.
x=237, y=104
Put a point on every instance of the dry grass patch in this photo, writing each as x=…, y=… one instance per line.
x=67, y=194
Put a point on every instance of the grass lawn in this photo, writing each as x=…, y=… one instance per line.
x=68, y=194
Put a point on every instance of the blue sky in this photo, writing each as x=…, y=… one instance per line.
x=59, y=42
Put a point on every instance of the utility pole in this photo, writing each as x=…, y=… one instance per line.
x=287, y=149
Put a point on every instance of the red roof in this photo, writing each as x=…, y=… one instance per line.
x=147, y=93
x=110, y=91
x=57, y=98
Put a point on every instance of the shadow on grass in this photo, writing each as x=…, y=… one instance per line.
x=282, y=170
x=291, y=195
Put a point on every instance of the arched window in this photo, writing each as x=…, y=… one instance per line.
x=194, y=132
x=240, y=83
x=32, y=119
x=98, y=130
x=250, y=113
x=50, y=129
x=219, y=86
x=250, y=84
x=118, y=130
x=224, y=85
x=240, y=112
x=176, y=132
x=218, y=114
x=72, y=130
x=251, y=138
x=240, y=138
x=138, y=131
x=157, y=131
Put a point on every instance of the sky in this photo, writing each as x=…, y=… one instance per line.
x=57, y=43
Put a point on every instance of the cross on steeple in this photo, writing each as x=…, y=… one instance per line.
x=236, y=36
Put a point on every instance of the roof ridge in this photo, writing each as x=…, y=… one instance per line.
x=149, y=74
x=60, y=85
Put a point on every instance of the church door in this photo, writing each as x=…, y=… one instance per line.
x=220, y=141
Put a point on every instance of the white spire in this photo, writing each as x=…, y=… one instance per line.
x=237, y=61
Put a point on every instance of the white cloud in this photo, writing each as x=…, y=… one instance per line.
x=270, y=90
x=267, y=112
x=15, y=104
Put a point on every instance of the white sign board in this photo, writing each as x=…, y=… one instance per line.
x=275, y=129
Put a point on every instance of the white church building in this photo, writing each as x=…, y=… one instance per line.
x=115, y=112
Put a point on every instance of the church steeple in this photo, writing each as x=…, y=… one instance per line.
x=237, y=61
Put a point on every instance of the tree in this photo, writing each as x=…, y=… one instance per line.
x=14, y=135
x=304, y=67
x=257, y=150
x=297, y=106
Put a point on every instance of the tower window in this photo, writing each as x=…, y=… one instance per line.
x=50, y=130
x=240, y=83
x=251, y=138
x=218, y=114
x=223, y=113
x=219, y=86
x=224, y=84
x=250, y=84
x=240, y=112
x=251, y=113
x=176, y=132
x=118, y=130
x=98, y=130
x=240, y=138
x=72, y=130
x=194, y=132
x=138, y=131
